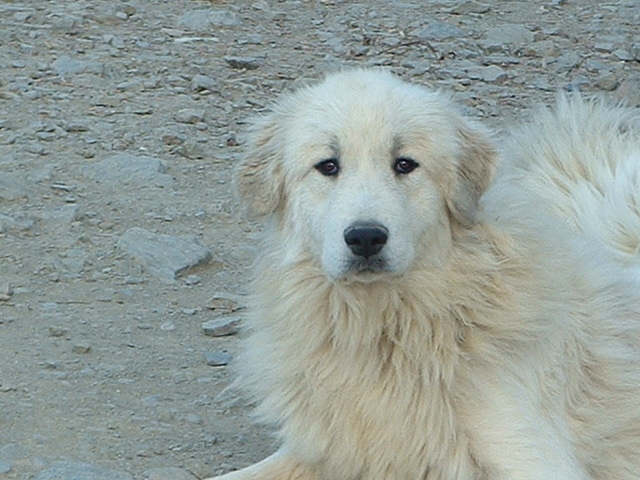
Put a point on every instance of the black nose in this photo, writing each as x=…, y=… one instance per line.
x=366, y=239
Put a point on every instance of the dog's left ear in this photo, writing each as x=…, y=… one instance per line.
x=476, y=164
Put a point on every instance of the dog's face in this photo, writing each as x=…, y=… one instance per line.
x=366, y=174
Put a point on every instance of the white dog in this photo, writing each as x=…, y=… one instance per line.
x=412, y=322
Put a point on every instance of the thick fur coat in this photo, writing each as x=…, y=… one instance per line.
x=492, y=334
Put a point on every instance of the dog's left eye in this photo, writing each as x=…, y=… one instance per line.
x=404, y=165
x=329, y=167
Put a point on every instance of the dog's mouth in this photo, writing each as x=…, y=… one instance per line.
x=366, y=268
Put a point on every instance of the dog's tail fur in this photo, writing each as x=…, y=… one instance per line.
x=581, y=162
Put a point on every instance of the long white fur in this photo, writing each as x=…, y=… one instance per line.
x=502, y=345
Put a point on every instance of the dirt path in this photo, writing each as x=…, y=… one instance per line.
x=119, y=126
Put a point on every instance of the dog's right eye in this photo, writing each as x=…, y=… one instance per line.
x=328, y=168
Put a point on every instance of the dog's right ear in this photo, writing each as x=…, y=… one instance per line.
x=259, y=178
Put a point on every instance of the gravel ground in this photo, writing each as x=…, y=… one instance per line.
x=119, y=233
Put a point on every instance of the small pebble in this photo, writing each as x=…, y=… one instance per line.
x=217, y=359
x=168, y=326
x=5, y=467
x=247, y=63
x=81, y=348
x=202, y=82
x=192, y=279
x=58, y=332
x=190, y=115
x=221, y=327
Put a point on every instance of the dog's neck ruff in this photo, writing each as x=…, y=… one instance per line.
x=378, y=329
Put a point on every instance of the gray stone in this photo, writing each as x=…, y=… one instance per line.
x=126, y=169
x=168, y=473
x=6, y=290
x=81, y=348
x=13, y=451
x=509, y=35
x=14, y=223
x=127, y=9
x=192, y=280
x=607, y=82
x=22, y=16
x=224, y=18
x=80, y=471
x=629, y=90
x=223, y=326
x=247, y=63
x=217, y=359
x=190, y=115
x=439, y=31
x=58, y=331
x=168, y=326
x=337, y=45
x=489, y=74
x=543, y=48
x=116, y=42
x=205, y=19
x=193, y=149
x=576, y=84
x=568, y=61
x=66, y=65
x=624, y=55
x=224, y=302
x=12, y=187
x=165, y=256
x=494, y=74
x=203, y=82
x=5, y=467
x=72, y=261
x=63, y=214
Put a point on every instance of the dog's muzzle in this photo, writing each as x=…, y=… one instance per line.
x=366, y=239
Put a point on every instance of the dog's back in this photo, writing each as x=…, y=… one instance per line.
x=580, y=162
x=569, y=186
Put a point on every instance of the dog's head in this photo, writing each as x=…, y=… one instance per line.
x=365, y=174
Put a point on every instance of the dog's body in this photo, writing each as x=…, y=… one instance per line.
x=405, y=328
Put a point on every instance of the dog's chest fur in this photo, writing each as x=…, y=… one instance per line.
x=377, y=370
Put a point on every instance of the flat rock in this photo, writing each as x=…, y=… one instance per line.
x=14, y=223
x=203, y=82
x=247, y=63
x=13, y=451
x=127, y=169
x=63, y=214
x=205, y=19
x=489, y=74
x=217, y=359
x=223, y=326
x=439, y=31
x=510, y=35
x=12, y=187
x=65, y=66
x=165, y=256
x=567, y=61
x=80, y=471
x=190, y=115
x=224, y=303
x=5, y=467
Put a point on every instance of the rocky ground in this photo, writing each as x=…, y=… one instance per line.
x=120, y=123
